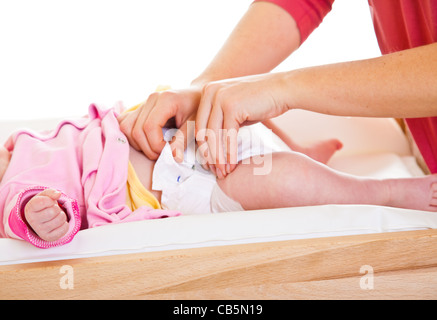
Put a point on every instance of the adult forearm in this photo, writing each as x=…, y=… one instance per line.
x=263, y=38
x=402, y=85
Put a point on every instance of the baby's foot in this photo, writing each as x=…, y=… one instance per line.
x=433, y=202
x=416, y=193
x=323, y=151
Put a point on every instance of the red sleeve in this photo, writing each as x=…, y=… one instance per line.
x=308, y=14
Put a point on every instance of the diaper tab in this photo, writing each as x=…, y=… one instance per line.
x=185, y=187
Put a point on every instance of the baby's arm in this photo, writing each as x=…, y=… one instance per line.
x=27, y=216
x=45, y=216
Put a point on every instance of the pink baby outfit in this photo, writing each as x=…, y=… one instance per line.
x=87, y=160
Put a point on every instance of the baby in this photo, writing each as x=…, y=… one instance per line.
x=84, y=174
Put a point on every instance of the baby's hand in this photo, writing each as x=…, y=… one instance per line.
x=45, y=216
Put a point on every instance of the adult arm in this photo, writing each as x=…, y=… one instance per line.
x=401, y=84
x=264, y=37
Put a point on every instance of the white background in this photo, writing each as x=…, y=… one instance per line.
x=58, y=56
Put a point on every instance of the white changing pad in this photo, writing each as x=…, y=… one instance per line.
x=372, y=147
x=223, y=229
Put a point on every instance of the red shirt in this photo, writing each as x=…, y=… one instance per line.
x=399, y=25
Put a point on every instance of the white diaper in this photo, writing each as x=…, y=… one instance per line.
x=190, y=189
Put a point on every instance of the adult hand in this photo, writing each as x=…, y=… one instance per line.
x=225, y=106
x=171, y=108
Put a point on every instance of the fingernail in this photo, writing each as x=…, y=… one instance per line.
x=219, y=173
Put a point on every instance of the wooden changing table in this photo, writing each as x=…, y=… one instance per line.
x=397, y=265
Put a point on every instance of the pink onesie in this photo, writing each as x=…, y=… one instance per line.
x=87, y=160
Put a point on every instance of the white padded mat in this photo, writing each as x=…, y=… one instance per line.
x=223, y=229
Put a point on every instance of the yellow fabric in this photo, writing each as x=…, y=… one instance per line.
x=133, y=108
x=136, y=194
x=158, y=89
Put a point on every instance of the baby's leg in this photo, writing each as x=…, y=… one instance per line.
x=320, y=151
x=297, y=180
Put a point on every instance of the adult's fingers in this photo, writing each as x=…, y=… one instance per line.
x=215, y=135
x=164, y=110
x=203, y=112
x=183, y=138
x=127, y=122
x=134, y=125
x=224, y=130
x=139, y=131
x=231, y=127
x=217, y=125
x=202, y=118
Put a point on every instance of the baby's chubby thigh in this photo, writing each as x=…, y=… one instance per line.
x=256, y=180
x=253, y=183
x=275, y=180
